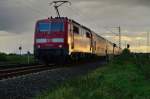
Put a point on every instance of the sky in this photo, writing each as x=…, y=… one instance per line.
x=18, y=18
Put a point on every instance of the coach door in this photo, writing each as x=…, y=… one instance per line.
x=91, y=42
x=93, y=46
x=72, y=36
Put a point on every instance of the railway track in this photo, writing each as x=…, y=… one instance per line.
x=13, y=72
x=22, y=70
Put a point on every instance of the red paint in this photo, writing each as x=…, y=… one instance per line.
x=52, y=35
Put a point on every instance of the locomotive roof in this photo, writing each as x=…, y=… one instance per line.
x=63, y=19
x=80, y=25
x=51, y=18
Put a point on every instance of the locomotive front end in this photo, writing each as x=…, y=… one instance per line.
x=50, y=42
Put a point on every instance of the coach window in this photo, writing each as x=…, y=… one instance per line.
x=88, y=35
x=75, y=29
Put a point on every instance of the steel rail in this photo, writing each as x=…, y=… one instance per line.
x=9, y=73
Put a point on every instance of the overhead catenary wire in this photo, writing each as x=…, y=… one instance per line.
x=57, y=4
x=79, y=14
x=148, y=41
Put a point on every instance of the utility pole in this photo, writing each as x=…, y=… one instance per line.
x=119, y=35
x=148, y=42
x=119, y=30
x=57, y=4
x=28, y=56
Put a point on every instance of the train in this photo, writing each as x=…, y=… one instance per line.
x=60, y=38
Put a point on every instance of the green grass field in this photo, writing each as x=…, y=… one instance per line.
x=125, y=77
x=15, y=59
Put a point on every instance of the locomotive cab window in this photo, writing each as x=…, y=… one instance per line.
x=43, y=27
x=51, y=27
x=57, y=27
x=75, y=29
x=88, y=35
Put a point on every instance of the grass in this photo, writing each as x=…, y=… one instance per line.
x=15, y=59
x=125, y=77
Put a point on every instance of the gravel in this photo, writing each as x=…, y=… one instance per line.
x=30, y=85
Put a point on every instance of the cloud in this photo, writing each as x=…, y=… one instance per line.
x=120, y=2
x=20, y=16
x=140, y=48
x=10, y=43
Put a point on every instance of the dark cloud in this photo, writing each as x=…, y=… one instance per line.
x=19, y=16
x=119, y=2
x=131, y=2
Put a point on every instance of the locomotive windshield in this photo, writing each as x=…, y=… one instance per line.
x=51, y=27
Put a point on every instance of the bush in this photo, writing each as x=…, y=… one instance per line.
x=3, y=57
x=126, y=51
x=125, y=57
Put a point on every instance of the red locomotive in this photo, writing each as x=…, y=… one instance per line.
x=60, y=38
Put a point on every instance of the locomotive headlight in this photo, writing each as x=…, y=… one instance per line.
x=38, y=46
x=60, y=46
x=58, y=40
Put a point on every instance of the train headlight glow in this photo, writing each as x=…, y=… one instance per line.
x=41, y=40
x=60, y=46
x=58, y=40
x=38, y=46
